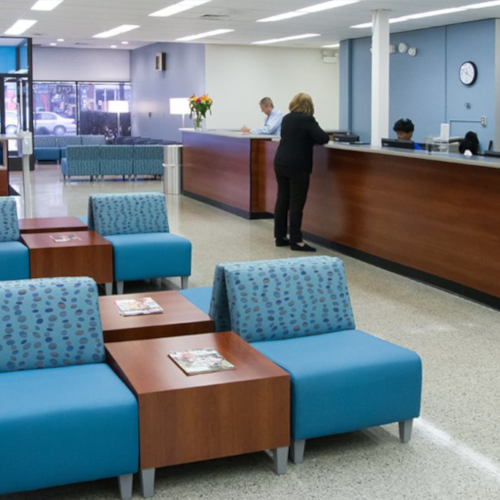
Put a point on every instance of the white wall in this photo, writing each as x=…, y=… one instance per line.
x=81, y=64
x=237, y=77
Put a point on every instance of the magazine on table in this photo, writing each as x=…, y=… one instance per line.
x=60, y=238
x=134, y=307
x=207, y=360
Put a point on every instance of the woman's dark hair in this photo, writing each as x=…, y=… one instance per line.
x=470, y=142
x=403, y=126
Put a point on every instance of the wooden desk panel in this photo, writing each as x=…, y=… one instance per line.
x=187, y=418
x=180, y=317
x=4, y=183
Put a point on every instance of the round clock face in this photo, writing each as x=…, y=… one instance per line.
x=468, y=73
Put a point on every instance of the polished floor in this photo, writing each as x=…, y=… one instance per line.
x=455, y=449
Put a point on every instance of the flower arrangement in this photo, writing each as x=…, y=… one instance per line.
x=199, y=107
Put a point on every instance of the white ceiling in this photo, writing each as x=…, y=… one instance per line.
x=78, y=20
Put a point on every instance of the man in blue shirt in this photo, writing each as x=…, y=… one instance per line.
x=404, y=130
x=272, y=125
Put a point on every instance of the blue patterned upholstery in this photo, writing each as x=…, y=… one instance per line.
x=46, y=148
x=9, y=226
x=81, y=160
x=116, y=160
x=96, y=140
x=50, y=323
x=74, y=420
x=45, y=141
x=128, y=213
x=148, y=160
x=69, y=140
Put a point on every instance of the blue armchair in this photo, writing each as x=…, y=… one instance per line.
x=14, y=256
x=46, y=149
x=65, y=416
x=297, y=312
x=137, y=227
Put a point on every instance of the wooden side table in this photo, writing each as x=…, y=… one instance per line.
x=91, y=256
x=187, y=418
x=180, y=317
x=51, y=225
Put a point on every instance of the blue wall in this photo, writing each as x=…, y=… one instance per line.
x=426, y=88
x=7, y=59
x=151, y=89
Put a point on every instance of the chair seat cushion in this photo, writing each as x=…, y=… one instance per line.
x=200, y=297
x=150, y=255
x=47, y=154
x=65, y=425
x=14, y=261
x=346, y=380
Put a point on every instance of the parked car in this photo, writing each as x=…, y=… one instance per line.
x=54, y=123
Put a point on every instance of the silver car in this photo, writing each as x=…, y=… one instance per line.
x=54, y=123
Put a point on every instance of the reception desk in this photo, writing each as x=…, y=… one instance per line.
x=434, y=217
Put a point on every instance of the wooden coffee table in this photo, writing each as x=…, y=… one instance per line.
x=188, y=418
x=180, y=317
x=91, y=256
x=51, y=225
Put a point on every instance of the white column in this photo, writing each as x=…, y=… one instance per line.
x=380, y=76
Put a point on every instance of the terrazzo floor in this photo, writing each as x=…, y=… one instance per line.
x=455, y=448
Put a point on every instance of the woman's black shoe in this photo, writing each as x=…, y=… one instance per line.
x=302, y=248
x=282, y=242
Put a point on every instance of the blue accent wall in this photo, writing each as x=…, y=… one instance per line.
x=7, y=59
x=151, y=89
x=426, y=88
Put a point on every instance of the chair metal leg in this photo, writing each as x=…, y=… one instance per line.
x=125, y=484
x=109, y=288
x=119, y=287
x=297, y=451
x=280, y=458
x=147, y=482
x=405, y=428
x=184, y=282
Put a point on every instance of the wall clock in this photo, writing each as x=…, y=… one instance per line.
x=468, y=73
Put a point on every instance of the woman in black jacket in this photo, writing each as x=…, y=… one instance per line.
x=293, y=166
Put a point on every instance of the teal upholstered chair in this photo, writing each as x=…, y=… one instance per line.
x=116, y=160
x=137, y=226
x=81, y=161
x=68, y=140
x=46, y=149
x=65, y=416
x=14, y=256
x=298, y=313
x=93, y=140
x=148, y=160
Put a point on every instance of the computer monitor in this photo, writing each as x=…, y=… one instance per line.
x=396, y=143
x=345, y=138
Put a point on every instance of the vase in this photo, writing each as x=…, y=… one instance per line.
x=198, y=122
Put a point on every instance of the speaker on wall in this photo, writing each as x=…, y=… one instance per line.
x=161, y=61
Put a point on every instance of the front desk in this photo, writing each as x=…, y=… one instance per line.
x=431, y=217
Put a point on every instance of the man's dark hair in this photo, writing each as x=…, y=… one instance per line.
x=403, y=126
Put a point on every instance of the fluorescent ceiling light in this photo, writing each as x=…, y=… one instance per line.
x=203, y=35
x=276, y=40
x=178, y=7
x=432, y=13
x=308, y=10
x=60, y=39
x=116, y=31
x=332, y=46
x=46, y=4
x=53, y=44
x=20, y=27
x=124, y=43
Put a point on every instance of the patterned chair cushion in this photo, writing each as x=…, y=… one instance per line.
x=111, y=214
x=48, y=323
x=9, y=227
x=281, y=299
x=45, y=141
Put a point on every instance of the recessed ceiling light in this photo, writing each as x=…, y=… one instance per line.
x=308, y=10
x=286, y=39
x=331, y=46
x=53, y=44
x=60, y=39
x=46, y=4
x=116, y=31
x=124, y=43
x=113, y=46
x=203, y=35
x=20, y=27
x=178, y=7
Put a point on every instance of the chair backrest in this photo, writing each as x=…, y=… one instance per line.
x=9, y=226
x=142, y=140
x=45, y=141
x=69, y=140
x=97, y=140
x=118, y=152
x=128, y=213
x=49, y=323
x=281, y=299
x=130, y=140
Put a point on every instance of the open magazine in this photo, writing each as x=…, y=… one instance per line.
x=196, y=361
x=60, y=238
x=134, y=307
